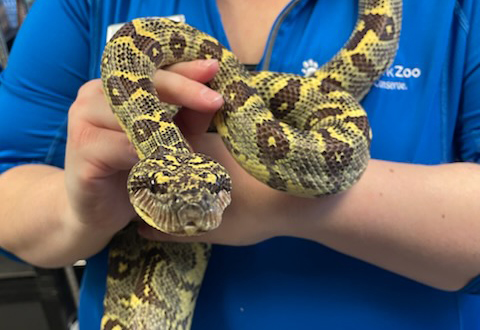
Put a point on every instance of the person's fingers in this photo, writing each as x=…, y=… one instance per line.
x=92, y=106
x=95, y=136
x=177, y=89
x=182, y=84
x=100, y=152
x=192, y=122
x=200, y=70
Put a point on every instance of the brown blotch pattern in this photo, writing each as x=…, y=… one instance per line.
x=363, y=64
x=147, y=85
x=268, y=151
x=149, y=47
x=388, y=34
x=334, y=148
x=237, y=93
x=362, y=124
x=289, y=95
x=144, y=129
x=170, y=136
x=151, y=107
x=321, y=114
x=211, y=48
x=378, y=23
x=330, y=84
x=126, y=30
x=114, y=267
x=375, y=22
x=124, y=58
x=125, y=88
x=177, y=44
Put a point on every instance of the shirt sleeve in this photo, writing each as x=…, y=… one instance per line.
x=48, y=64
x=468, y=130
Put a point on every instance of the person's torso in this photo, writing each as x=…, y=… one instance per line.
x=287, y=283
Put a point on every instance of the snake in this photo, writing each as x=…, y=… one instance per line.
x=305, y=135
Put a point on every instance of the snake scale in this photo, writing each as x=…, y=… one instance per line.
x=307, y=136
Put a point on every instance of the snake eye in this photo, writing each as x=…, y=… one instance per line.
x=156, y=188
x=152, y=185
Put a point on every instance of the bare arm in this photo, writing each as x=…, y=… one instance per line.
x=422, y=222
x=33, y=220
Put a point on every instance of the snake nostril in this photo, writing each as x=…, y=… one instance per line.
x=176, y=199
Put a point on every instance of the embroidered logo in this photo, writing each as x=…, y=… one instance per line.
x=400, y=72
x=309, y=67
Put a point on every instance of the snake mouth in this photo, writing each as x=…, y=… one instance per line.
x=182, y=218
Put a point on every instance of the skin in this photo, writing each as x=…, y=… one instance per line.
x=417, y=221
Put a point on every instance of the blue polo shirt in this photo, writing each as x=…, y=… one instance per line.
x=425, y=109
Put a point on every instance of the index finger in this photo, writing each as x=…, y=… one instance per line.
x=176, y=88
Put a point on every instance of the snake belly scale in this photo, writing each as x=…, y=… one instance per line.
x=307, y=136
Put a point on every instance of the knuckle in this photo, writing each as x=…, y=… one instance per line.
x=84, y=177
x=90, y=88
x=183, y=67
x=81, y=134
x=87, y=96
x=75, y=110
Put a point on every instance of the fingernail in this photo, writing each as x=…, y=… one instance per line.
x=211, y=96
x=208, y=63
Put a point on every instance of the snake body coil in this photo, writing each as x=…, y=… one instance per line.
x=307, y=136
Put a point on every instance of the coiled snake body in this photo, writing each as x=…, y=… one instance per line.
x=307, y=136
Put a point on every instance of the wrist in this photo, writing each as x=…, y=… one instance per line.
x=306, y=217
x=315, y=218
x=72, y=238
x=85, y=238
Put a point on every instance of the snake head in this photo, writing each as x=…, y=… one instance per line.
x=180, y=194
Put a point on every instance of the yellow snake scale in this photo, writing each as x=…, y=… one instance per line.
x=307, y=136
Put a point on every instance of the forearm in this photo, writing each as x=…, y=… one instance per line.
x=35, y=223
x=422, y=222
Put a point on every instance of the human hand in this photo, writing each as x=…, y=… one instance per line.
x=99, y=155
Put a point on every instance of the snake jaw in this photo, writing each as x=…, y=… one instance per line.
x=179, y=217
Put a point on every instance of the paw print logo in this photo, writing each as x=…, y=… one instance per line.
x=309, y=67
